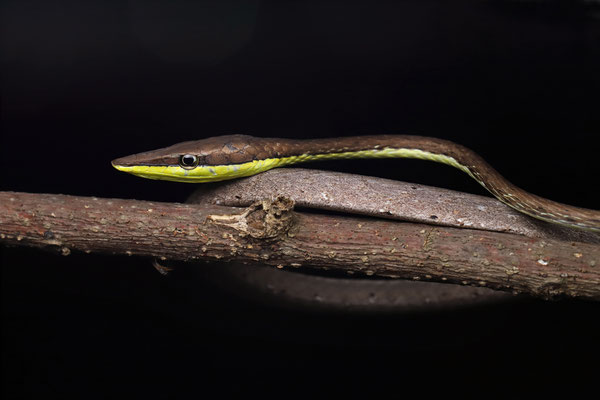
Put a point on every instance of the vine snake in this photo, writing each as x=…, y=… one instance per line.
x=234, y=156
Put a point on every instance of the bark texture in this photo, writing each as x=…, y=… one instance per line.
x=270, y=232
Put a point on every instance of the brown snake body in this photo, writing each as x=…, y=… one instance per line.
x=233, y=156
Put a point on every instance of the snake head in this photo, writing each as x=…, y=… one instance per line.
x=205, y=160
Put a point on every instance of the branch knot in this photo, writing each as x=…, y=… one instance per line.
x=265, y=219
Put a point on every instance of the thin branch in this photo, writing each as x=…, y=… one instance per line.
x=272, y=233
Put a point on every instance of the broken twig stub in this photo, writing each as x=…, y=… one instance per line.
x=264, y=219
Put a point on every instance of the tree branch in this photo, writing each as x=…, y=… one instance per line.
x=270, y=232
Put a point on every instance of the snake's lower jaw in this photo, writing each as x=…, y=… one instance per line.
x=119, y=167
x=130, y=170
x=133, y=170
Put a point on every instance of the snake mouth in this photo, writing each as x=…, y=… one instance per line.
x=121, y=167
x=117, y=164
x=156, y=172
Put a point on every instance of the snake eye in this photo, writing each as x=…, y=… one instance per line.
x=188, y=161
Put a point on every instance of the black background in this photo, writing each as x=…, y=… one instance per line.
x=86, y=82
